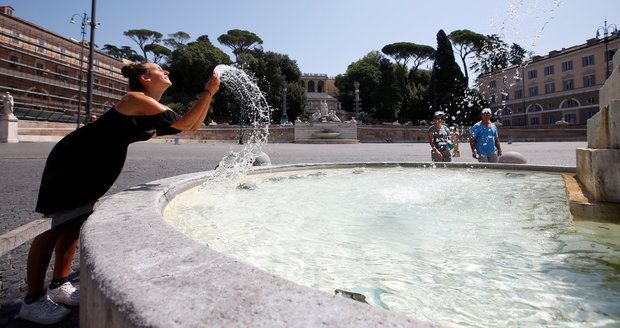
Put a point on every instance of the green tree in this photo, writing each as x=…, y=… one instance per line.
x=142, y=37
x=176, y=40
x=492, y=56
x=191, y=67
x=124, y=52
x=517, y=54
x=388, y=97
x=447, y=81
x=130, y=54
x=271, y=69
x=466, y=43
x=239, y=41
x=296, y=102
x=367, y=73
x=160, y=53
x=402, y=53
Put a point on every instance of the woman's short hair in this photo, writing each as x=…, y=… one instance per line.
x=133, y=73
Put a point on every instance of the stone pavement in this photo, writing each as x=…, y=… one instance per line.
x=21, y=166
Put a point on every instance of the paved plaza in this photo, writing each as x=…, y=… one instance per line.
x=21, y=166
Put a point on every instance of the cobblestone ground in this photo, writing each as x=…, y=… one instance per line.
x=21, y=166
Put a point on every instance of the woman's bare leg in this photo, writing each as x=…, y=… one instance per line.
x=38, y=259
x=65, y=250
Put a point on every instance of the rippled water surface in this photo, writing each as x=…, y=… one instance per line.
x=471, y=248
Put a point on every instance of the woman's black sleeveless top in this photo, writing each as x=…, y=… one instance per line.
x=85, y=164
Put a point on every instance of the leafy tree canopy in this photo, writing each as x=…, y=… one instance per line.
x=159, y=52
x=177, y=39
x=465, y=43
x=239, y=40
x=142, y=37
x=402, y=52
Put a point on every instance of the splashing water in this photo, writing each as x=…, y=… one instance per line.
x=254, y=105
x=524, y=16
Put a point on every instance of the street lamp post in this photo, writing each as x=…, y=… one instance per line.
x=357, y=100
x=91, y=51
x=521, y=77
x=85, y=22
x=606, y=29
x=284, y=117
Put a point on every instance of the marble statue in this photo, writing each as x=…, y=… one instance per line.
x=324, y=114
x=7, y=99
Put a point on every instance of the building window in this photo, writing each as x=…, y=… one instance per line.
x=534, y=120
x=111, y=85
x=590, y=100
x=123, y=88
x=504, y=95
x=551, y=119
x=549, y=87
x=610, y=54
x=568, y=84
x=532, y=74
x=549, y=70
x=96, y=84
x=570, y=118
x=62, y=53
x=570, y=103
x=492, y=84
x=589, y=80
x=40, y=69
x=567, y=66
x=532, y=91
x=587, y=60
x=518, y=94
x=14, y=61
x=492, y=98
x=41, y=47
x=61, y=74
x=16, y=36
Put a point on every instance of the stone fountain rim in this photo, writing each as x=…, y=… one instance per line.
x=130, y=276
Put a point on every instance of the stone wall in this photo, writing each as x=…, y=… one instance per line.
x=39, y=131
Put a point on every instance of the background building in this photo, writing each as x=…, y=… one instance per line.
x=561, y=86
x=320, y=88
x=43, y=72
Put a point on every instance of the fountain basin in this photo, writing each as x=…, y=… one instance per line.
x=326, y=135
x=138, y=271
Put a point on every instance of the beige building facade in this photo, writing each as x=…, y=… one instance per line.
x=319, y=88
x=558, y=88
x=43, y=71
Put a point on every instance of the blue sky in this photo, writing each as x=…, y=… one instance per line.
x=325, y=36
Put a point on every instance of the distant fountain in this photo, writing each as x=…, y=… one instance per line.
x=324, y=114
x=326, y=127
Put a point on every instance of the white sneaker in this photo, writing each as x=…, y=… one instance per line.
x=65, y=294
x=44, y=311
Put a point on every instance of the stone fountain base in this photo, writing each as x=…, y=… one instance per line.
x=597, y=189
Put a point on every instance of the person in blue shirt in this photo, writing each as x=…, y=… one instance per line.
x=484, y=139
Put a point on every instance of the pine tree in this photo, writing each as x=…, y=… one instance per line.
x=447, y=81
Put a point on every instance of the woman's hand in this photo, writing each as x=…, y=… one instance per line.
x=214, y=84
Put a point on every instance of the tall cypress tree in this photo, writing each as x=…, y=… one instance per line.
x=447, y=81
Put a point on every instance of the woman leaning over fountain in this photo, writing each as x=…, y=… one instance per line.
x=69, y=190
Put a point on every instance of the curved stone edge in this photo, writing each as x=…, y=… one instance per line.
x=138, y=271
x=583, y=206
